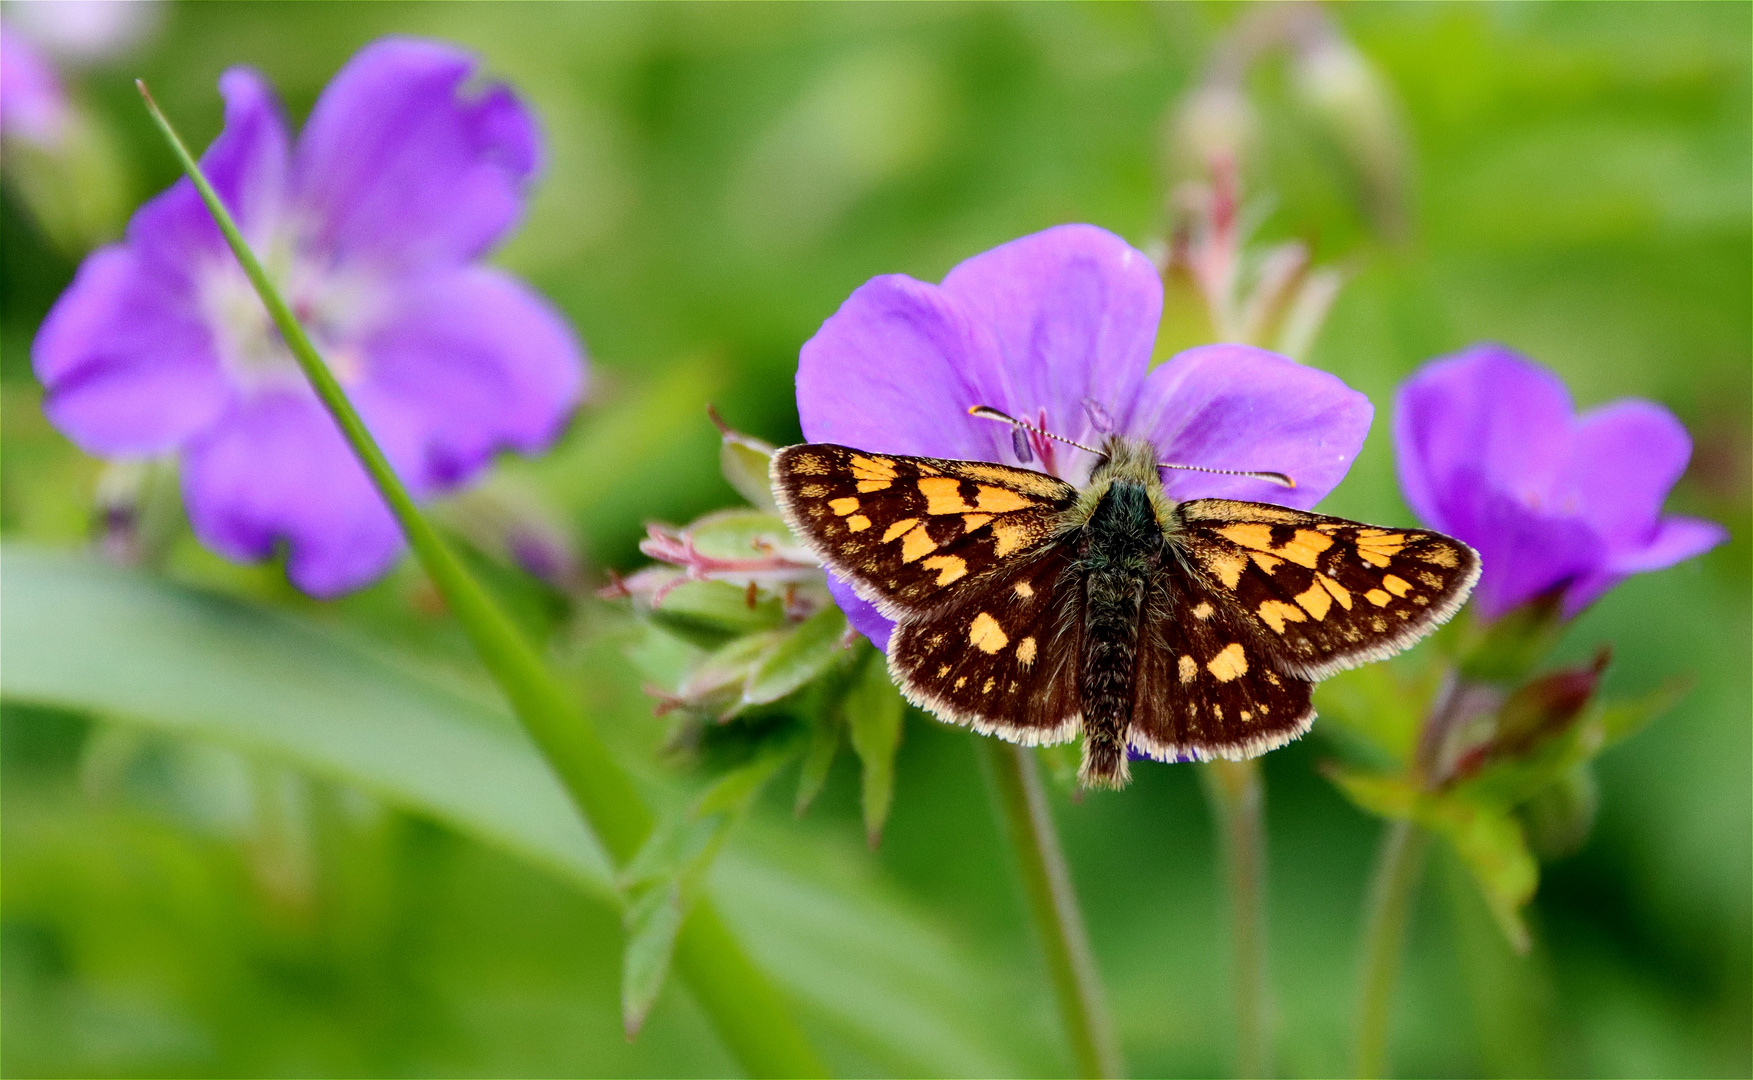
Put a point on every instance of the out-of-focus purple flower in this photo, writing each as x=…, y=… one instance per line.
x=1057, y=328
x=1491, y=451
x=33, y=103
x=372, y=227
x=84, y=32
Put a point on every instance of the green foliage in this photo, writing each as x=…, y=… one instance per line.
x=376, y=718
x=873, y=710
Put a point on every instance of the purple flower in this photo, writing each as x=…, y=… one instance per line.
x=1057, y=328
x=33, y=104
x=372, y=226
x=1490, y=450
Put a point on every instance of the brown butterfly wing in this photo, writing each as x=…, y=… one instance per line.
x=1326, y=594
x=1206, y=682
x=910, y=533
x=1003, y=657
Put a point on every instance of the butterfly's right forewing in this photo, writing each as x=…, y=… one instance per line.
x=911, y=534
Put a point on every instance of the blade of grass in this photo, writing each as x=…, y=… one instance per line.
x=747, y=1011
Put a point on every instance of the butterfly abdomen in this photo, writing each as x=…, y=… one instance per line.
x=1119, y=551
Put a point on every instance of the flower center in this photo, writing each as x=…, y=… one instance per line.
x=331, y=307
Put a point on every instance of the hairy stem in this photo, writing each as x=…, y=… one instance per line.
x=747, y=1011
x=1028, y=822
x=1399, y=865
x=1238, y=801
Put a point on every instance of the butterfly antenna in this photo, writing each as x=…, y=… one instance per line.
x=1270, y=477
x=987, y=412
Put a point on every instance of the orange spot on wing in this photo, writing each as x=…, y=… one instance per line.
x=899, y=529
x=949, y=567
x=997, y=500
x=1338, y=591
x=1275, y=613
x=1315, y=601
x=1231, y=663
x=1227, y=567
x=943, y=495
x=985, y=634
x=1305, y=547
x=917, y=544
x=1008, y=538
x=1249, y=535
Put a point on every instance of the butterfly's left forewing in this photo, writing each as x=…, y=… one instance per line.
x=908, y=533
x=1320, y=593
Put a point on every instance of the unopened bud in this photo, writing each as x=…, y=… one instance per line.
x=1352, y=100
x=1215, y=123
x=1546, y=706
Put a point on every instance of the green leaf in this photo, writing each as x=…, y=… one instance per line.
x=652, y=922
x=739, y=534
x=715, y=685
x=873, y=710
x=802, y=655
x=1490, y=840
x=85, y=635
x=873, y=970
x=665, y=875
x=709, y=613
x=817, y=761
x=1376, y=710
x=744, y=460
x=1486, y=835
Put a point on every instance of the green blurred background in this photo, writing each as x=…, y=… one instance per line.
x=188, y=897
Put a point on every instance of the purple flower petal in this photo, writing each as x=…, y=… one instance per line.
x=1485, y=411
x=1488, y=451
x=399, y=168
x=1074, y=310
x=173, y=234
x=863, y=616
x=33, y=104
x=1238, y=407
x=1522, y=553
x=478, y=363
x=276, y=469
x=896, y=369
x=1623, y=459
x=126, y=359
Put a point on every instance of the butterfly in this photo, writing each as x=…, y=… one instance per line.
x=1036, y=611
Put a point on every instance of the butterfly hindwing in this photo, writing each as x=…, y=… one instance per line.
x=910, y=533
x=1322, y=593
x=1206, y=682
x=1003, y=657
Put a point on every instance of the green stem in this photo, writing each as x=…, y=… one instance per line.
x=1028, y=821
x=746, y=1009
x=1238, y=798
x=1399, y=866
